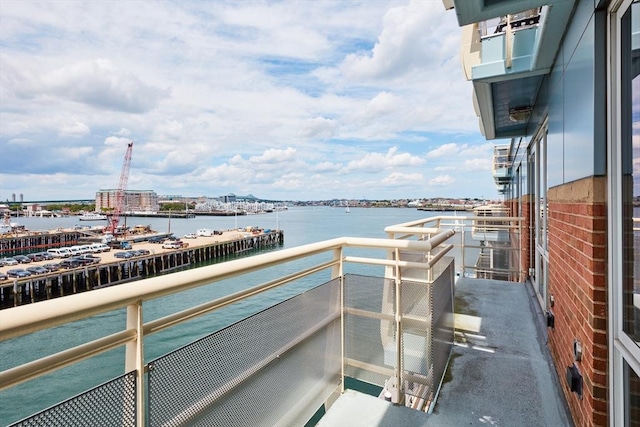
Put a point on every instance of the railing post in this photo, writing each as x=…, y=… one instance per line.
x=462, y=246
x=134, y=358
x=398, y=320
x=337, y=271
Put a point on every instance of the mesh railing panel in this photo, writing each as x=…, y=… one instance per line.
x=417, y=343
x=443, y=319
x=437, y=309
x=247, y=374
x=366, y=338
x=110, y=404
x=427, y=334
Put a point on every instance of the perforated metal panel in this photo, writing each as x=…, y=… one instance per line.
x=274, y=368
x=427, y=331
x=110, y=404
x=366, y=338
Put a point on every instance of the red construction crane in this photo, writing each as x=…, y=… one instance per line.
x=120, y=192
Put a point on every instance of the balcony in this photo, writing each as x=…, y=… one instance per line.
x=506, y=53
x=502, y=167
x=385, y=313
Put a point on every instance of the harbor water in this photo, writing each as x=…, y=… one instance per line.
x=301, y=225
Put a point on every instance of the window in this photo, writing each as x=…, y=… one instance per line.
x=539, y=208
x=624, y=212
x=630, y=133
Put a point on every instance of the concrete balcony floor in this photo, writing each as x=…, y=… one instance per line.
x=500, y=372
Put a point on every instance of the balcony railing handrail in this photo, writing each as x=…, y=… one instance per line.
x=25, y=319
x=30, y=318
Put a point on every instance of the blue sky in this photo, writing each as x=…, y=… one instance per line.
x=286, y=100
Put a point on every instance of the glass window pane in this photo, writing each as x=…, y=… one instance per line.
x=630, y=134
x=632, y=395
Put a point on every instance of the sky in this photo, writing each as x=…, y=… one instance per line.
x=285, y=100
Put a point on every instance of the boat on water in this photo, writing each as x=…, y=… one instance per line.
x=92, y=216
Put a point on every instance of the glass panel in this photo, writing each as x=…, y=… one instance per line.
x=630, y=133
x=632, y=396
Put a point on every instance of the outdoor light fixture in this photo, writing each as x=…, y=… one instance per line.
x=577, y=350
x=519, y=114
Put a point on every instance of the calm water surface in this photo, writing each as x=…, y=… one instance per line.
x=301, y=226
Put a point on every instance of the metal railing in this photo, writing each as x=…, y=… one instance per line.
x=393, y=329
x=404, y=318
x=485, y=246
x=510, y=22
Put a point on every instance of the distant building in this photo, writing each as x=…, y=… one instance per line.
x=134, y=200
x=229, y=198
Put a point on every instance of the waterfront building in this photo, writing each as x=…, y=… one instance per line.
x=559, y=81
x=134, y=200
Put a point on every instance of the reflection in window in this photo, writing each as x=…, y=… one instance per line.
x=632, y=393
x=630, y=135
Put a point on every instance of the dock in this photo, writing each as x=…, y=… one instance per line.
x=113, y=271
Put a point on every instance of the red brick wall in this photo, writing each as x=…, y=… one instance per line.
x=577, y=281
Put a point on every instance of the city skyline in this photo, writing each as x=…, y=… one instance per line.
x=290, y=100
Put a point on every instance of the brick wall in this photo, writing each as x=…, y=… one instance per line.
x=577, y=281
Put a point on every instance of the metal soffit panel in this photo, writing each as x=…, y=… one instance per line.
x=511, y=94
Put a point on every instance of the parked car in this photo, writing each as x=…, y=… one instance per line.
x=172, y=244
x=51, y=266
x=45, y=256
x=143, y=251
x=100, y=247
x=156, y=239
x=22, y=259
x=91, y=258
x=3, y=276
x=70, y=263
x=60, y=252
x=81, y=260
x=8, y=261
x=124, y=254
x=36, y=269
x=190, y=236
x=35, y=257
x=18, y=272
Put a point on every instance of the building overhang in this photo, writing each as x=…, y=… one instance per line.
x=507, y=49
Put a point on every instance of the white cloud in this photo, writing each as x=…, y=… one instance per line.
x=444, y=150
x=482, y=164
x=75, y=129
x=442, y=180
x=273, y=155
x=374, y=162
x=98, y=83
x=319, y=127
x=403, y=46
x=397, y=178
x=279, y=99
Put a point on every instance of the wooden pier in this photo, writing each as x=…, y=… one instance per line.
x=18, y=243
x=15, y=292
